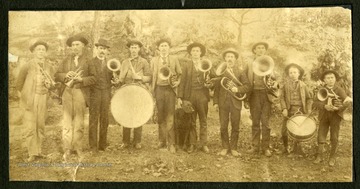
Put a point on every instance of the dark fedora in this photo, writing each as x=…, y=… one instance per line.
x=163, y=40
x=301, y=70
x=192, y=45
x=37, y=43
x=76, y=38
x=260, y=43
x=134, y=42
x=230, y=50
x=102, y=42
x=329, y=72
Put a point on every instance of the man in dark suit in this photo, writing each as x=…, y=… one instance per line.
x=75, y=97
x=192, y=88
x=165, y=92
x=100, y=96
x=228, y=106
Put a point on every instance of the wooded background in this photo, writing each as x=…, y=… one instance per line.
x=315, y=38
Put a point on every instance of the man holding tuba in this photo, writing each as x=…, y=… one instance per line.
x=165, y=80
x=259, y=98
x=100, y=96
x=228, y=105
x=76, y=77
x=34, y=82
x=134, y=70
x=193, y=89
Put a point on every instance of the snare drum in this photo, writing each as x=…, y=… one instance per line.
x=301, y=127
x=132, y=105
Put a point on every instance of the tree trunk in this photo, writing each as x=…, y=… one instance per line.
x=95, y=32
x=239, y=39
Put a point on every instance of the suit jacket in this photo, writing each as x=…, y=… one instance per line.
x=95, y=65
x=220, y=93
x=26, y=81
x=184, y=89
x=88, y=74
x=320, y=104
x=306, y=96
x=156, y=63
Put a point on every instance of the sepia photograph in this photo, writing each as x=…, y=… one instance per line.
x=181, y=95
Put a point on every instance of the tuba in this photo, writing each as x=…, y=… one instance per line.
x=229, y=79
x=114, y=65
x=327, y=94
x=267, y=74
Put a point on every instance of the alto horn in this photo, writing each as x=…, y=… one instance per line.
x=113, y=65
x=263, y=61
x=205, y=65
x=166, y=74
x=228, y=78
x=324, y=94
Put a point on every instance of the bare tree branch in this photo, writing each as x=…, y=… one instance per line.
x=259, y=20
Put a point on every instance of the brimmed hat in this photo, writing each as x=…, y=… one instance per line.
x=301, y=70
x=260, y=43
x=37, y=43
x=231, y=50
x=76, y=38
x=163, y=40
x=102, y=42
x=134, y=42
x=192, y=45
x=328, y=72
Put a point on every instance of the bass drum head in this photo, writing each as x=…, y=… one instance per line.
x=132, y=106
x=301, y=127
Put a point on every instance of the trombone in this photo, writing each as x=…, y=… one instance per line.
x=228, y=79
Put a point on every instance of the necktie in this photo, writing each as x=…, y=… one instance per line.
x=76, y=60
x=164, y=60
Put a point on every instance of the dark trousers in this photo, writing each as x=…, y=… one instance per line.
x=99, y=117
x=284, y=133
x=229, y=111
x=330, y=121
x=165, y=102
x=260, y=109
x=199, y=101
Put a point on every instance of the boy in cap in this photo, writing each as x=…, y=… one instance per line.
x=296, y=98
x=76, y=77
x=330, y=115
x=100, y=96
x=230, y=108
x=165, y=92
x=34, y=88
x=193, y=88
x=134, y=70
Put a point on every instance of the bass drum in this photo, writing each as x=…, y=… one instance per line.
x=132, y=105
x=301, y=127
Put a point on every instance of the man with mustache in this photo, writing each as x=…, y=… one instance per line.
x=134, y=70
x=76, y=77
x=228, y=106
x=100, y=96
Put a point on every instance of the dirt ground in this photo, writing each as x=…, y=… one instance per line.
x=150, y=164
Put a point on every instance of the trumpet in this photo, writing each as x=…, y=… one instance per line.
x=70, y=80
x=327, y=94
x=166, y=74
x=114, y=65
x=268, y=77
x=48, y=81
x=229, y=80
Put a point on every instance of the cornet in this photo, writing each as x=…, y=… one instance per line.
x=229, y=80
x=48, y=81
x=114, y=65
x=268, y=77
x=327, y=94
x=70, y=80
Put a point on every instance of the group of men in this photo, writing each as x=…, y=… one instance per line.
x=87, y=82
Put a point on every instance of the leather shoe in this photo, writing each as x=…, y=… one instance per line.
x=190, y=149
x=138, y=146
x=332, y=161
x=205, y=149
x=235, y=153
x=267, y=153
x=223, y=152
x=172, y=149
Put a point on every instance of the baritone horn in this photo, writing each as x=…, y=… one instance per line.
x=114, y=65
x=229, y=79
x=205, y=65
x=264, y=66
